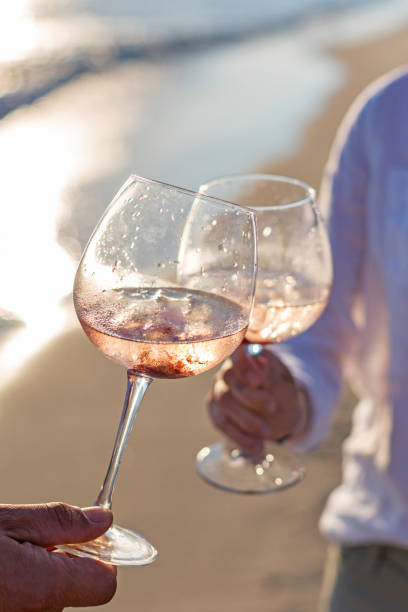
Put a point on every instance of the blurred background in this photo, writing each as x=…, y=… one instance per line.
x=183, y=91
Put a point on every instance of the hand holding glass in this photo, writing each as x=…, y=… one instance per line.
x=292, y=288
x=165, y=288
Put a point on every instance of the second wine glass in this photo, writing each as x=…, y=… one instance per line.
x=293, y=284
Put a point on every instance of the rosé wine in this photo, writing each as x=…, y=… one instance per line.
x=284, y=308
x=162, y=332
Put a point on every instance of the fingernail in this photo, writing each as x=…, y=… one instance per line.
x=97, y=514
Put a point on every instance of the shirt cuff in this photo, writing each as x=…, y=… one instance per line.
x=319, y=393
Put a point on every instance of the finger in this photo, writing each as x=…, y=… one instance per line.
x=259, y=400
x=272, y=425
x=283, y=422
x=223, y=406
x=57, y=581
x=266, y=363
x=278, y=380
x=249, y=422
x=251, y=369
x=243, y=440
x=278, y=430
x=255, y=412
x=83, y=582
x=278, y=373
x=55, y=523
x=217, y=414
x=254, y=446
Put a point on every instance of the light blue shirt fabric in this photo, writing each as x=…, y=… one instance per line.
x=363, y=333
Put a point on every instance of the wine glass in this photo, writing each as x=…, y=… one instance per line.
x=165, y=291
x=292, y=289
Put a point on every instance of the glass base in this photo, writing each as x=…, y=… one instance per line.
x=118, y=546
x=234, y=470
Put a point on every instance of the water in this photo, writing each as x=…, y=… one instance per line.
x=44, y=43
x=92, y=91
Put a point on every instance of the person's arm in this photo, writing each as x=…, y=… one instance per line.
x=33, y=576
x=318, y=357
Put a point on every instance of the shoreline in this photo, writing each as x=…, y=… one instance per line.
x=216, y=551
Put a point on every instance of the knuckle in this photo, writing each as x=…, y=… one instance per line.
x=15, y=523
x=65, y=516
x=249, y=423
x=229, y=377
x=217, y=415
x=7, y=516
x=227, y=364
x=219, y=389
x=208, y=399
x=221, y=371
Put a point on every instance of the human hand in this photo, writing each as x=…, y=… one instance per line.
x=33, y=577
x=254, y=399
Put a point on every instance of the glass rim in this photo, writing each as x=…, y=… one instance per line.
x=278, y=178
x=197, y=194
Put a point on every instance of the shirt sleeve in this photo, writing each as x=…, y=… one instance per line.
x=317, y=357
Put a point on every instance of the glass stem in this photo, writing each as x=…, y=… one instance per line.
x=136, y=388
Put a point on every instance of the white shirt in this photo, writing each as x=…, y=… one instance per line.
x=363, y=333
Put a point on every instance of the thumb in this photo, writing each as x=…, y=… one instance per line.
x=55, y=523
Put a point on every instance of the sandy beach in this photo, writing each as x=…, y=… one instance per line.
x=217, y=551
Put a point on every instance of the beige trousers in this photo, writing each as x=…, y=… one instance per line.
x=365, y=579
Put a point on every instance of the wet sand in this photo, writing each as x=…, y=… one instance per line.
x=217, y=551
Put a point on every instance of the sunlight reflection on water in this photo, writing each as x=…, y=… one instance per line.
x=36, y=271
x=62, y=160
